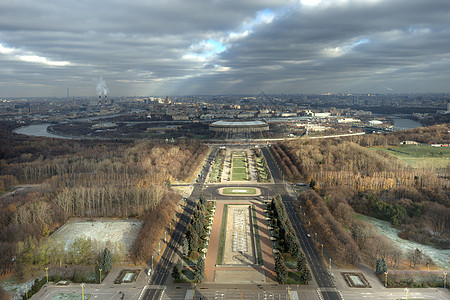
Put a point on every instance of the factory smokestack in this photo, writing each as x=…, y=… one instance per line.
x=101, y=88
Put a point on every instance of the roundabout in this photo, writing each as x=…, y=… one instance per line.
x=239, y=191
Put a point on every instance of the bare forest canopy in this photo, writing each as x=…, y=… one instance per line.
x=350, y=177
x=87, y=178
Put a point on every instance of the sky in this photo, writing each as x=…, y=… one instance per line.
x=200, y=47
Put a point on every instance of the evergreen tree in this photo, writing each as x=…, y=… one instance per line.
x=280, y=269
x=301, y=262
x=291, y=244
x=185, y=247
x=302, y=267
x=176, y=270
x=199, y=271
x=106, y=260
x=193, y=242
x=305, y=275
x=381, y=266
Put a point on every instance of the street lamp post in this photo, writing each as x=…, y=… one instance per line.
x=193, y=292
x=46, y=273
x=385, y=279
x=82, y=291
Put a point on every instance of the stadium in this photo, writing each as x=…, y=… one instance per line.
x=239, y=129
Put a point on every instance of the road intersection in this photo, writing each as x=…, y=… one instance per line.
x=159, y=285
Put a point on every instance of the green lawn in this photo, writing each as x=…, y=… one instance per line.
x=239, y=162
x=256, y=233
x=293, y=278
x=419, y=156
x=240, y=170
x=239, y=191
x=238, y=176
x=222, y=237
x=187, y=276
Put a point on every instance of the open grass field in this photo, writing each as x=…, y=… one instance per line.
x=239, y=191
x=420, y=156
x=240, y=170
x=105, y=233
x=239, y=176
x=223, y=232
x=239, y=162
x=239, y=167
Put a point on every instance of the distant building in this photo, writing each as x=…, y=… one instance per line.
x=239, y=129
x=322, y=114
x=375, y=122
x=241, y=126
x=409, y=143
x=349, y=120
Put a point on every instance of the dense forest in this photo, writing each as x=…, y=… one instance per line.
x=349, y=177
x=61, y=179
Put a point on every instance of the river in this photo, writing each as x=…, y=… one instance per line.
x=38, y=130
x=402, y=123
x=41, y=129
x=441, y=257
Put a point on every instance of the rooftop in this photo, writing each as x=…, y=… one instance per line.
x=239, y=123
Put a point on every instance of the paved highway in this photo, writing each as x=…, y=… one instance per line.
x=162, y=270
x=326, y=287
x=172, y=250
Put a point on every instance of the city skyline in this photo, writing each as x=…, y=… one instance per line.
x=224, y=47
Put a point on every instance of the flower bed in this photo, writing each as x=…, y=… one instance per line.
x=354, y=279
x=127, y=276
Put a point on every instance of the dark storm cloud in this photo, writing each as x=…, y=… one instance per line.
x=234, y=46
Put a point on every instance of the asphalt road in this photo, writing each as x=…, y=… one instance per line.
x=326, y=286
x=164, y=266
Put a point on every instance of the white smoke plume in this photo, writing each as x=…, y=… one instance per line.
x=101, y=87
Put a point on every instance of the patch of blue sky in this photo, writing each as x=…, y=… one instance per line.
x=216, y=46
x=210, y=48
x=360, y=42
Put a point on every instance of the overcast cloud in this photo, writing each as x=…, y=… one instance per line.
x=183, y=47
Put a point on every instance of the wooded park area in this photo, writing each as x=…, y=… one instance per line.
x=349, y=177
x=87, y=179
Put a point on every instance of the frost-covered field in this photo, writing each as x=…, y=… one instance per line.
x=105, y=233
x=17, y=289
x=440, y=256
